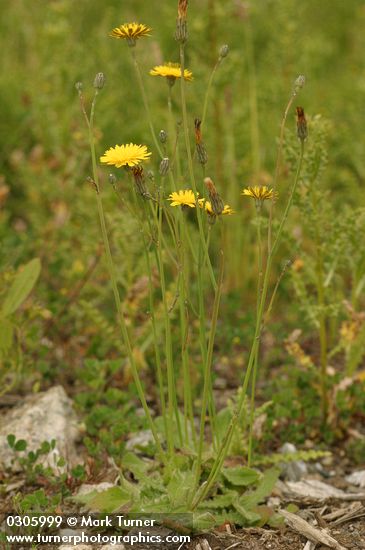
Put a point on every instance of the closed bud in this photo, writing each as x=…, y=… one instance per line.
x=112, y=179
x=299, y=83
x=99, y=81
x=162, y=136
x=302, y=131
x=181, y=33
x=201, y=153
x=215, y=199
x=164, y=166
x=139, y=181
x=182, y=8
x=224, y=50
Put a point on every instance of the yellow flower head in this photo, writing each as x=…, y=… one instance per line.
x=184, y=197
x=207, y=205
x=259, y=192
x=171, y=71
x=131, y=32
x=125, y=155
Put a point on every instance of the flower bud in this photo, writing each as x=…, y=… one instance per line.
x=201, y=153
x=299, y=83
x=224, y=50
x=99, y=81
x=163, y=136
x=139, y=181
x=164, y=166
x=302, y=131
x=215, y=199
x=112, y=179
x=181, y=33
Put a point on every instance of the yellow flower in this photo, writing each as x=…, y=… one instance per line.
x=259, y=192
x=227, y=210
x=172, y=71
x=131, y=32
x=184, y=197
x=125, y=155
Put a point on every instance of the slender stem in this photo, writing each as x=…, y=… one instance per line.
x=145, y=101
x=278, y=165
x=225, y=445
x=207, y=93
x=112, y=274
x=154, y=329
x=171, y=391
x=259, y=292
x=207, y=374
x=321, y=305
x=190, y=160
x=252, y=87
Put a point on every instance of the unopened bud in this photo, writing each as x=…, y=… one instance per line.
x=112, y=179
x=224, y=50
x=163, y=136
x=99, y=81
x=182, y=8
x=139, y=181
x=181, y=33
x=201, y=153
x=299, y=83
x=215, y=199
x=302, y=131
x=164, y=166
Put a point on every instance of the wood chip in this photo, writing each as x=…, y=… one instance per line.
x=312, y=489
x=309, y=532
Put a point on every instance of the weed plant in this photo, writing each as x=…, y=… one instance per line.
x=176, y=239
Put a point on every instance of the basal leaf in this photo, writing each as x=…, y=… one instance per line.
x=263, y=490
x=134, y=464
x=107, y=501
x=22, y=285
x=241, y=476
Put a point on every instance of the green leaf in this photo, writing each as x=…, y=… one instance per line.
x=137, y=466
x=220, y=501
x=20, y=445
x=22, y=285
x=205, y=520
x=6, y=335
x=249, y=517
x=11, y=440
x=180, y=486
x=107, y=501
x=263, y=490
x=241, y=476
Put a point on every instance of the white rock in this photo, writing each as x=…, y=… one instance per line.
x=42, y=417
x=142, y=439
x=296, y=470
x=357, y=478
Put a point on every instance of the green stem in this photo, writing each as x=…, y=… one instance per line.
x=145, y=101
x=259, y=291
x=190, y=161
x=112, y=274
x=278, y=165
x=322, y=314
x=207, y=375
x=224, y=448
